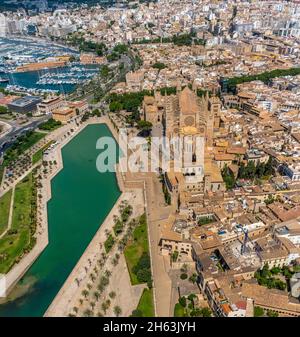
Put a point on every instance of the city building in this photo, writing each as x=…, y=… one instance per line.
x=23, y=105
x=63, y=114
x=48, y=106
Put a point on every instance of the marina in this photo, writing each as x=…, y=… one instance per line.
x=15, y=53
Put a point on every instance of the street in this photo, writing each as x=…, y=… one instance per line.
x=18, y=130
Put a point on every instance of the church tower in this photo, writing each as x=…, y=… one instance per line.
x=214, y=108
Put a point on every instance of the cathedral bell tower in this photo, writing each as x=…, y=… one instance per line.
x=214, y=108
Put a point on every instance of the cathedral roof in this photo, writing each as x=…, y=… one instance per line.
x=188, y=102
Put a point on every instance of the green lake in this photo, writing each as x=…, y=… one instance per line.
x=81, y=199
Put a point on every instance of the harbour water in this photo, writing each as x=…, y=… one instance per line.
x=17, y=52
x=81, y=199
x=51, y=79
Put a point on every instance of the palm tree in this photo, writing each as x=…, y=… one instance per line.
x=112, y=294
x=101, y=287
x=96, y=295
x=184, y=268
x=104, y=281
x=121, y=246
x=104, y=307
x=92, y=277
x=117, y=310
x=75, y=309
x=107, y=273
x=88, y=313
x=89, y=286
x=85, y=293
x=92, y=304
x=99, y=314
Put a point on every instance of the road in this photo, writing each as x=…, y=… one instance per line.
x=17, y=130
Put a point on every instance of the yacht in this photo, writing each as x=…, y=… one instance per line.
x=4, y=80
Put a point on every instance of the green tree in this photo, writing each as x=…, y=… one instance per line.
x=115, y=106
x=112, y=294
x=104, y=306
x=137, y=313
x=193, y=278
x=97, y=295
x=85, y=293
x=105, y=71
x=88, y=313
x=271, y=313
x=205, y=312
x=228, y=177
x=143, y=275
x=184, y=276
x=117, y=310
x=258, y=311
x=144, y=125
x=182, y=301
x=159, y=65
x=3, y=109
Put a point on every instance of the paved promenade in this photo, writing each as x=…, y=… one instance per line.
x=145, y=184
x=70, y=293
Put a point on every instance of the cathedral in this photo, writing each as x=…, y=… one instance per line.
x=191, y=119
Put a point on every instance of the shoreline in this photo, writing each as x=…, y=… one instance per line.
x=132, y=190
x=66, y=296
x=20, y=269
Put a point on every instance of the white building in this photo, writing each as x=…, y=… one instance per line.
x=292, y=171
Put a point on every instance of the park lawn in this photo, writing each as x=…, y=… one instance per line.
x=22, y=203
x=136, y=247
x=39, y=154
x=4, y=210
x=31, y=140
x=146, y=304
x=19, y=148
x=18, y=239
x=11, y=248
